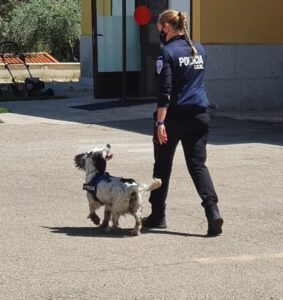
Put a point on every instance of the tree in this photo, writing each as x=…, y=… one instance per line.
x=6, y=7
x=52, y=26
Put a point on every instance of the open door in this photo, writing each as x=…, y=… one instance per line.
x=108, y=48
x=150, y=45
x=142, y=45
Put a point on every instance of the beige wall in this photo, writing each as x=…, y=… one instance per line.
x=238, y=21
x=86, y=17
x=226, y=21
x=45, y=71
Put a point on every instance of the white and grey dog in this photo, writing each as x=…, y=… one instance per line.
x=117, y=194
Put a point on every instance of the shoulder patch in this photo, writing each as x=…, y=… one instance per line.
x=159, y=66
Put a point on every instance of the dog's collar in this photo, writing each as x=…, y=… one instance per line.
x=91, y=186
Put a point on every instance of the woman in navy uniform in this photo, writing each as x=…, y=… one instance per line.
x=181, y=116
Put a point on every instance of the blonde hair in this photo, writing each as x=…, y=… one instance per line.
x=179, y=22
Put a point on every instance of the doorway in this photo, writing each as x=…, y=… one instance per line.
x=142, y=44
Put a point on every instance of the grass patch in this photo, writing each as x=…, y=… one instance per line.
x=3, y=110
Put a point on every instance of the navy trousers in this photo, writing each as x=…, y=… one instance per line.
x=192, y=130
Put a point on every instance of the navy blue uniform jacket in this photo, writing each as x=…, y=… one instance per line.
x=181, y=76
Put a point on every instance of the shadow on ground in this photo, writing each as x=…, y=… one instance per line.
x=118, y=233
x=223, y=130
x=90, y=232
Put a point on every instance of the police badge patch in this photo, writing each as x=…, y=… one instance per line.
x=159, y=66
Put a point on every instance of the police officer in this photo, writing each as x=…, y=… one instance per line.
x=181, y=116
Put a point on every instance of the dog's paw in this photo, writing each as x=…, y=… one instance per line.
x=94, y=218
x=103, y=225
x=135, y=232
x=108, y=229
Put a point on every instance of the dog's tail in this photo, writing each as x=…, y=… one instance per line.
x=155, y=184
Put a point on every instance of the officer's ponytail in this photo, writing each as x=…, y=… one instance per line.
x=179, y=22
x=183, y=26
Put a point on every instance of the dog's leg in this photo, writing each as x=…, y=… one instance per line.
x=93, y=206
x=107, y=216
x=94, y=218
x=137, y=215
x=115, y=219
x=136, y=210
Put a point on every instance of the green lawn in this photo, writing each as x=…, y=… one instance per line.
x=3, y=110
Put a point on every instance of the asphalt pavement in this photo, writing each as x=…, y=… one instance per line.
x=50, y=250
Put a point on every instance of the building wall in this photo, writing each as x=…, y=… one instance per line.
x=86, y=24
x=86, y=43
x=238, y=21
x=244, y=44
x=245, y=77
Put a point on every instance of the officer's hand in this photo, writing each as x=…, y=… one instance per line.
x=161, y=134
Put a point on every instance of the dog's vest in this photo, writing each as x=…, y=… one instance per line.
x=91, y=186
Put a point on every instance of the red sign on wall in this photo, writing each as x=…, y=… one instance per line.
x=142, y=15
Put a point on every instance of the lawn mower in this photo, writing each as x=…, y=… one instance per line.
x=32, y=86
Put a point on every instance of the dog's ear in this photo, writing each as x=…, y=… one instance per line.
x=80, y=161
x=100, y=163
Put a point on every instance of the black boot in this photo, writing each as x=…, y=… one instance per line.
x=156, y=219
x=214, y=220
x=153, y=222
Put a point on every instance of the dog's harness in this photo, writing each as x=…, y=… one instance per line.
x=91, y=186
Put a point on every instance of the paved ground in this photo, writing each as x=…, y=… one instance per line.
x=49, y=250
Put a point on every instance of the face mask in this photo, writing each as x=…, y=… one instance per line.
x=162, y=37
